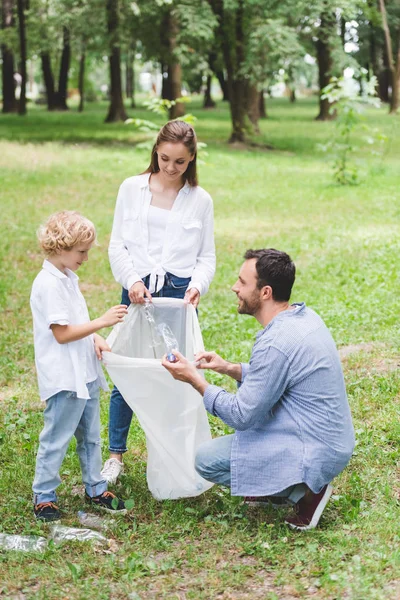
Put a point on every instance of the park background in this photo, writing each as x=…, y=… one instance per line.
x=314, y=174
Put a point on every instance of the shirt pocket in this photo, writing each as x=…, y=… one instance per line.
x=191, y=229
x=131, y=229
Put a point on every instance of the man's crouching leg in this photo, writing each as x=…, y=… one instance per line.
x=213, y=460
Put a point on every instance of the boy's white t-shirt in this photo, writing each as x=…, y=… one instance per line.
x=57, y=299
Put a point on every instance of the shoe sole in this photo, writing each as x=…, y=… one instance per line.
x=317, y=515
x=47, y=520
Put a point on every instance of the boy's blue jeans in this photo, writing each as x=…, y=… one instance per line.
x=120, y=415
x=66, y=415
x=213, y=463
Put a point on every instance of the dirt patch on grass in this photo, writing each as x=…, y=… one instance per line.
x=346, y=351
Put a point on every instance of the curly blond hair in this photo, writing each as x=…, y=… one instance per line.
x=64, y=230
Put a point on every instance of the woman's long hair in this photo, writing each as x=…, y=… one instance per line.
x=177, y=132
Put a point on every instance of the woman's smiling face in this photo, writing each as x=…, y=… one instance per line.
x=173, y=160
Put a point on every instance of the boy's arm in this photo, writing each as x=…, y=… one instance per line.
x=71, y=333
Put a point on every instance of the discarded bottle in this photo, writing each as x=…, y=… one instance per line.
x=91, y=521
x=60, y=533
x=25, y=543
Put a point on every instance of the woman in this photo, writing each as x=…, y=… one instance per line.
x=162, y=244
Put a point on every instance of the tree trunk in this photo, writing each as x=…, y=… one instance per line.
x=292, y=94
x=395, y=98
x=237, y=93
x=48, y=80
x=394, y=66
x=166, y=92
x=375, y=64
x=22, y=47
x=222, y=82
x=219, y=74
x=261, y=108
x=325, y=64
x=62, y=92
x=253, y=106
x=175, y=71
x=116, y=111
x=81, y=80
x=7, y=69
x=208, y=101
x=232, y=41
x=130, y=75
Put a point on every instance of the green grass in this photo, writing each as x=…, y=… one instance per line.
x=345, y=242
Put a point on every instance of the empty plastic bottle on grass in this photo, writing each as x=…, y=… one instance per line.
x=25, y=543
x=91, y=521
x=60, y=533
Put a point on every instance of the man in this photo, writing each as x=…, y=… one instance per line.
x=293, y=428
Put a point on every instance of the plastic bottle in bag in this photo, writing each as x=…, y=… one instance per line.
x=169, y=339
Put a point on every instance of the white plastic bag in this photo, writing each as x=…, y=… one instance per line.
x=170, y=412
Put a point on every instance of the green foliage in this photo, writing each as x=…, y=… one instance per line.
x=349, y=107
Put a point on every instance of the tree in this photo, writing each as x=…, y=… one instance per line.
x=393, y=52
x=324, y=46
x=116, y=111
x=7, y=69
x=254, y=47
x=62, y=92
x=22, y=6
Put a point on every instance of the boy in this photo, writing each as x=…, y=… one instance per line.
x=69, y=374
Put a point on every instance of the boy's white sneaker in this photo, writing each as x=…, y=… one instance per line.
x=112, y=470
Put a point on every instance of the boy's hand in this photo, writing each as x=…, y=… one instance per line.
x=114, y=315
x=100, y=345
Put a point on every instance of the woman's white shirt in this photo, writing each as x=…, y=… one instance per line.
x=188, y=249
x=157, y=224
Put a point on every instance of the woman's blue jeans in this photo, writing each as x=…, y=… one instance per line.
x=120, y=415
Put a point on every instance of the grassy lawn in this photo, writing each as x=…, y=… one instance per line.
x=345, y=242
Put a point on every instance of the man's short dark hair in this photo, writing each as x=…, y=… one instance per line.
x=276, y=269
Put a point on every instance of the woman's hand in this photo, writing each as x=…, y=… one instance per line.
x=192, y=296
x=138, y=292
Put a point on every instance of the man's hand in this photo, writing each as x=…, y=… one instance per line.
x=184, y=370
x=211, y=360
x=100, y=345
x=192, y=296
x=138, y=292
